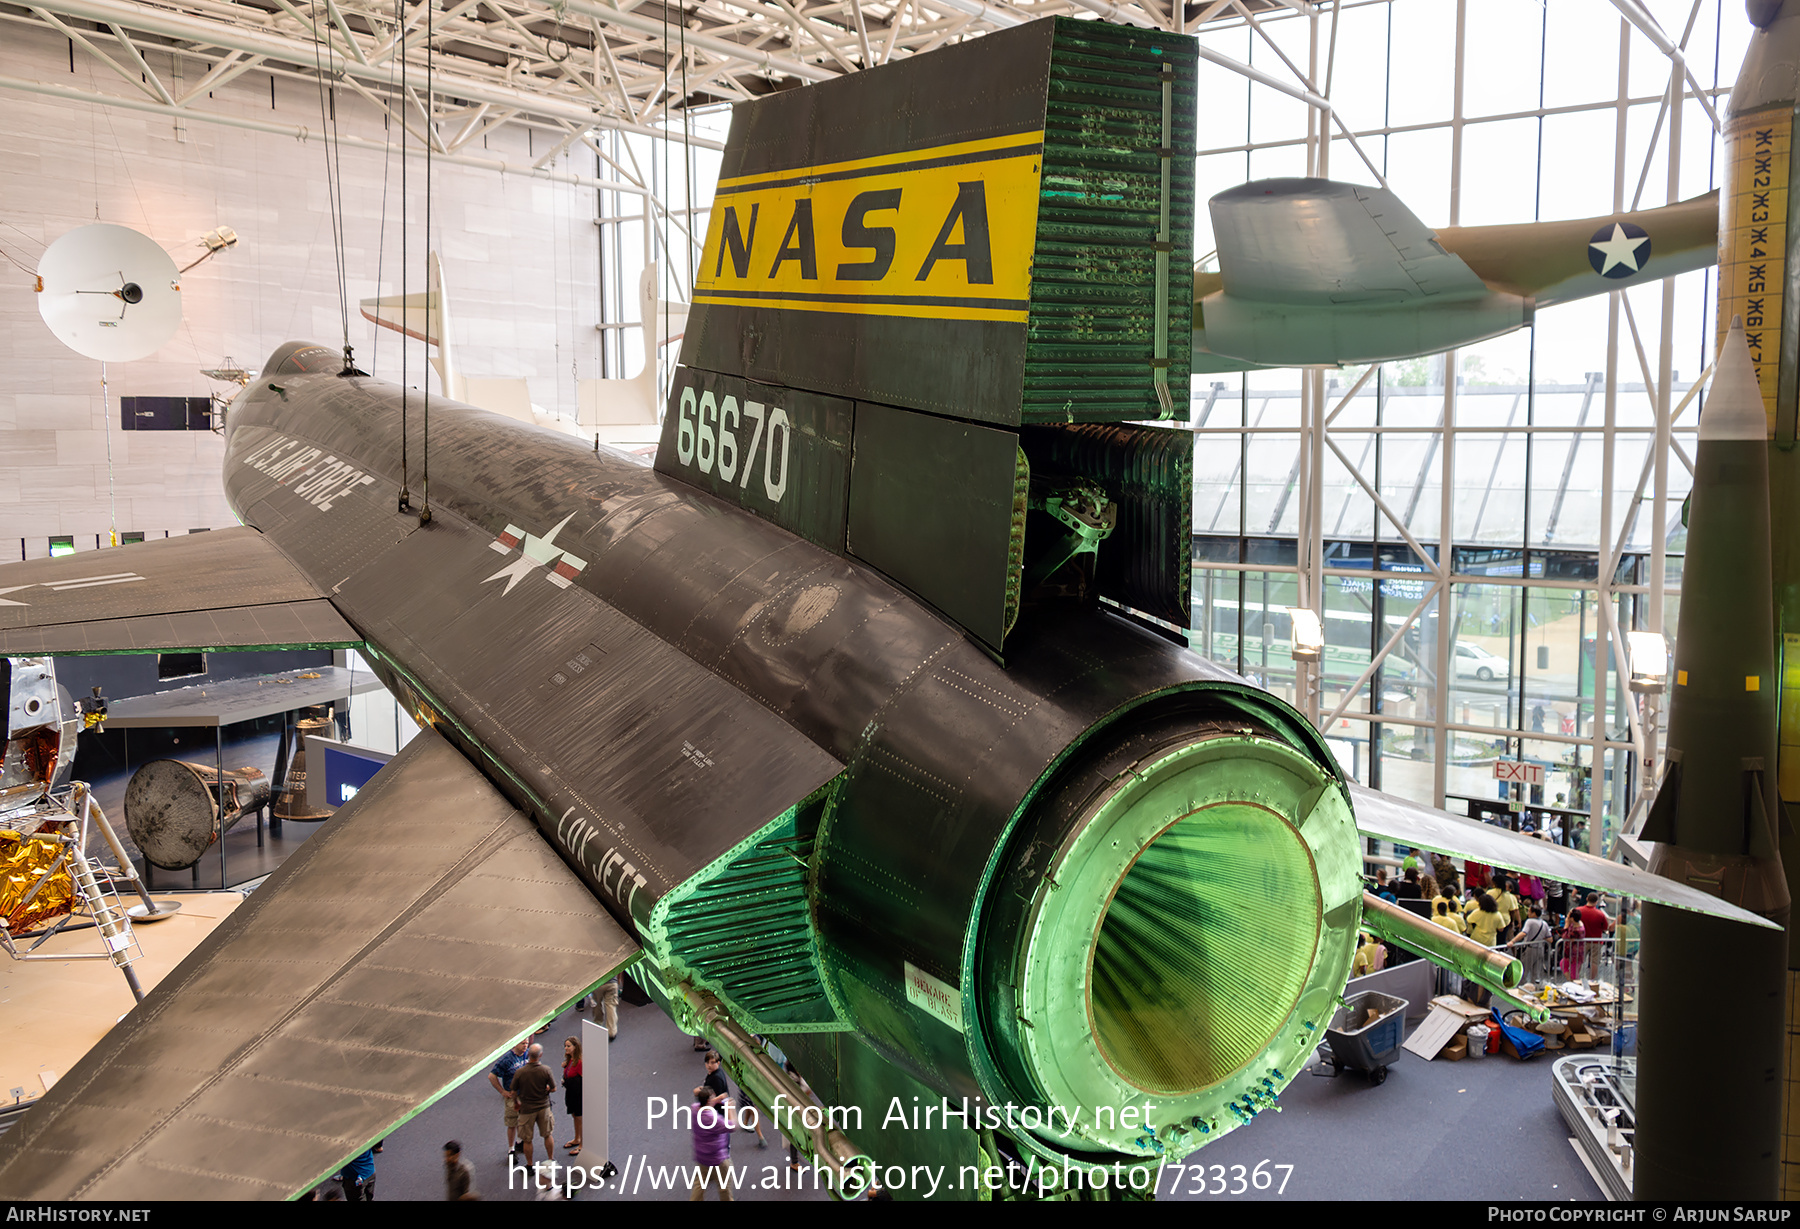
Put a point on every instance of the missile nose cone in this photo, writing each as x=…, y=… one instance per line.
x=1734, y=410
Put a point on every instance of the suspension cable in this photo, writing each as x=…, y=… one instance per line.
x=333, y=187
x=405, y=233
x=442, y=341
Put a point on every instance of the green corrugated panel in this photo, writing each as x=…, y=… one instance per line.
x=1091, y=337
x=1015, y=550
x=743, y=929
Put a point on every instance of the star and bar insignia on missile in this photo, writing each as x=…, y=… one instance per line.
x=1619, y=250
x=536, y=552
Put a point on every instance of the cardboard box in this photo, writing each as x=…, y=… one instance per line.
x=1456, y=1051
x=1462, y=1007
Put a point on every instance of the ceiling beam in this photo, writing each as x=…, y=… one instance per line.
x=229, y=37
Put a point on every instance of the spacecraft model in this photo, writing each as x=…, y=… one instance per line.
x=1756, y=280
x=49, y=885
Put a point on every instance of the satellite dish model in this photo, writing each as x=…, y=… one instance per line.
x=109, y=293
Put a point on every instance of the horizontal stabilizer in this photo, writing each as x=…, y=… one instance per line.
x=510, y=396
x=671, y=318
x=412, y=940
x=1412, y=824
x=228, y=589
x=615, y=407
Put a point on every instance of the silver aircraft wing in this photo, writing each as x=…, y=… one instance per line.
x=406, y=945
x=1411, y=823
x=228, y=589
x=1321, y=242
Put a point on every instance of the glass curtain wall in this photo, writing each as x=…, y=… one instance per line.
x=669, y=228
x=1499, y=497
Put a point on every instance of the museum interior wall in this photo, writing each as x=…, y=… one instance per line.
x=520, y=257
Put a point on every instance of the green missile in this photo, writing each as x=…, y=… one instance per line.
x=1710, y=1128
x=1755, y=259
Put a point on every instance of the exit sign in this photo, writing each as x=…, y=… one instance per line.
x=1517, y=773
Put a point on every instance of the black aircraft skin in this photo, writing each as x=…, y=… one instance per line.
x=703, y=669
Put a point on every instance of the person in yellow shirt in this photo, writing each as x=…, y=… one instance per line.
x=1449, y=919
x=1371, y=957
x=1506, y=903
x=1447, y=896
x=1486, y=922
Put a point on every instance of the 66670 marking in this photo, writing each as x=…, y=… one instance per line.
x=707, y=435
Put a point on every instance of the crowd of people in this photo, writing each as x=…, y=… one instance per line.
x=526, y=1086
x=1555, y=935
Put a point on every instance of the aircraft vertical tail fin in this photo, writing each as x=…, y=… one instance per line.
x=883, y=307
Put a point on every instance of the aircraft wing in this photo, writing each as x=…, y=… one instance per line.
x=403, y=948
x=1410, y=823
x=1319, y=242
x=228, y=589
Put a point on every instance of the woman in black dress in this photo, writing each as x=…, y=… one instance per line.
x=572, y=1090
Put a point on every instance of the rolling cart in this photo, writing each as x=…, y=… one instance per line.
x=1365, y=1042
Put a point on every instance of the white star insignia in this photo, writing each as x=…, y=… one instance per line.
x=536, y=553
x=1621, y=249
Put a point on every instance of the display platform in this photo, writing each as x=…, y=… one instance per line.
x=57, y=1010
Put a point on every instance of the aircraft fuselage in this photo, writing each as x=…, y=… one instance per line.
x=656, y=676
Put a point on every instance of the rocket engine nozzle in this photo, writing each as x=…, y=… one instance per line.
x=1178, y=929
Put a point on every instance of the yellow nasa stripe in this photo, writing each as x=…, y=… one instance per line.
x=941, y=233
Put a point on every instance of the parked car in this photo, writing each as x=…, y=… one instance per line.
x=1473, y=661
